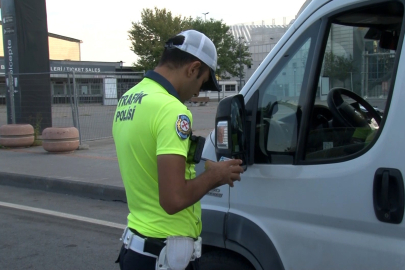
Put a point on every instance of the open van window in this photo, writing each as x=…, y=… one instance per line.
x=357, y=61
x=354, y=83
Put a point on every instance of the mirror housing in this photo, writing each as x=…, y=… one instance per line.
x=230, y=125
x=389, y=41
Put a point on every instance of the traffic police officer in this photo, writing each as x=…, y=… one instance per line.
x=152, y=130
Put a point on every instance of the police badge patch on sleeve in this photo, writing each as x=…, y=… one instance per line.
x=183, y=126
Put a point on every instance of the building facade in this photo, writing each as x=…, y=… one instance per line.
x=260, y=37
x=64, y=48
x=95, y=82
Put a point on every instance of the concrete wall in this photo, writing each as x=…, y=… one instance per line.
x=59, y=49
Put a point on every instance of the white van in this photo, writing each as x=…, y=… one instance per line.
x=321, y=129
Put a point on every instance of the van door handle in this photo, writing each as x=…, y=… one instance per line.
x=388, y=195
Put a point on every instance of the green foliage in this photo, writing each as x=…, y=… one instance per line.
x=232, y=55
x=338, y=67
x=36, y=123
x=149, y=35
x=158, y=25
x=243, y=57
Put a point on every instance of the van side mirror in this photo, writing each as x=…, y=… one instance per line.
x=230, y=125
x=389, y=41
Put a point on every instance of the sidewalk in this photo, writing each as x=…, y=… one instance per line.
x=90, y=173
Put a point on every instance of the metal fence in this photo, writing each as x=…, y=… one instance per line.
x=378, y=68
x=86, y=101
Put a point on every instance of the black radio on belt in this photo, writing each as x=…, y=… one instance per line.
x=196, y=148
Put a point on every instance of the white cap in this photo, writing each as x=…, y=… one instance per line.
x=199, y=45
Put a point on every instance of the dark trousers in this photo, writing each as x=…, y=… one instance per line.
x=131, y=260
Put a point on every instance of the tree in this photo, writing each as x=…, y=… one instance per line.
x=230, y=54
x=243, y=57
x=338, y=67
x=149, y=35
x=156, y=26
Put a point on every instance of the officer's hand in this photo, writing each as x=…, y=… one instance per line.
x=225, y=172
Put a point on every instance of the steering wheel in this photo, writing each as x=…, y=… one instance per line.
x=345, y=114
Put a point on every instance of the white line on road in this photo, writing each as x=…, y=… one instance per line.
x=63, y=215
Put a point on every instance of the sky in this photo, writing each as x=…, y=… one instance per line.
x=103, y=25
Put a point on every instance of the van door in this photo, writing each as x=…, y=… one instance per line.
x=326, y=187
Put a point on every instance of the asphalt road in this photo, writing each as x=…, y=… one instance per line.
x=41, y=230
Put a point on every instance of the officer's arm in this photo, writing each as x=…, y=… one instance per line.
x=176, y=193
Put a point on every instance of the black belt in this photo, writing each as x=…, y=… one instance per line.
x=152, y=245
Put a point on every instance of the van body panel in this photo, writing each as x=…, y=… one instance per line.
x=315, y=207
x=218, y=198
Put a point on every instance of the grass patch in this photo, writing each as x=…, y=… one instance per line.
x=37, y=143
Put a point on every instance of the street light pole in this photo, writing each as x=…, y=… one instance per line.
x=205, y=16
x=240, y=64
x=219, y=78
x=120, y=84
x=295, y=86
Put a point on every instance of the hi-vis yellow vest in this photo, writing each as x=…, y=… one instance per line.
x=149, y=122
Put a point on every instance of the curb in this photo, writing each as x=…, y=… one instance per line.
x=70, y=187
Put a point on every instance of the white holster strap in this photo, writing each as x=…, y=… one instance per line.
x=178, y=253
x=197, y=249
x=173, y=254
x=141, y=245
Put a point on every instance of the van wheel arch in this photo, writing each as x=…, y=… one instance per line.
x=243, y=237
x=222, y=259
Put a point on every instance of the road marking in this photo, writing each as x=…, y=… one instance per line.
x=63, y=215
